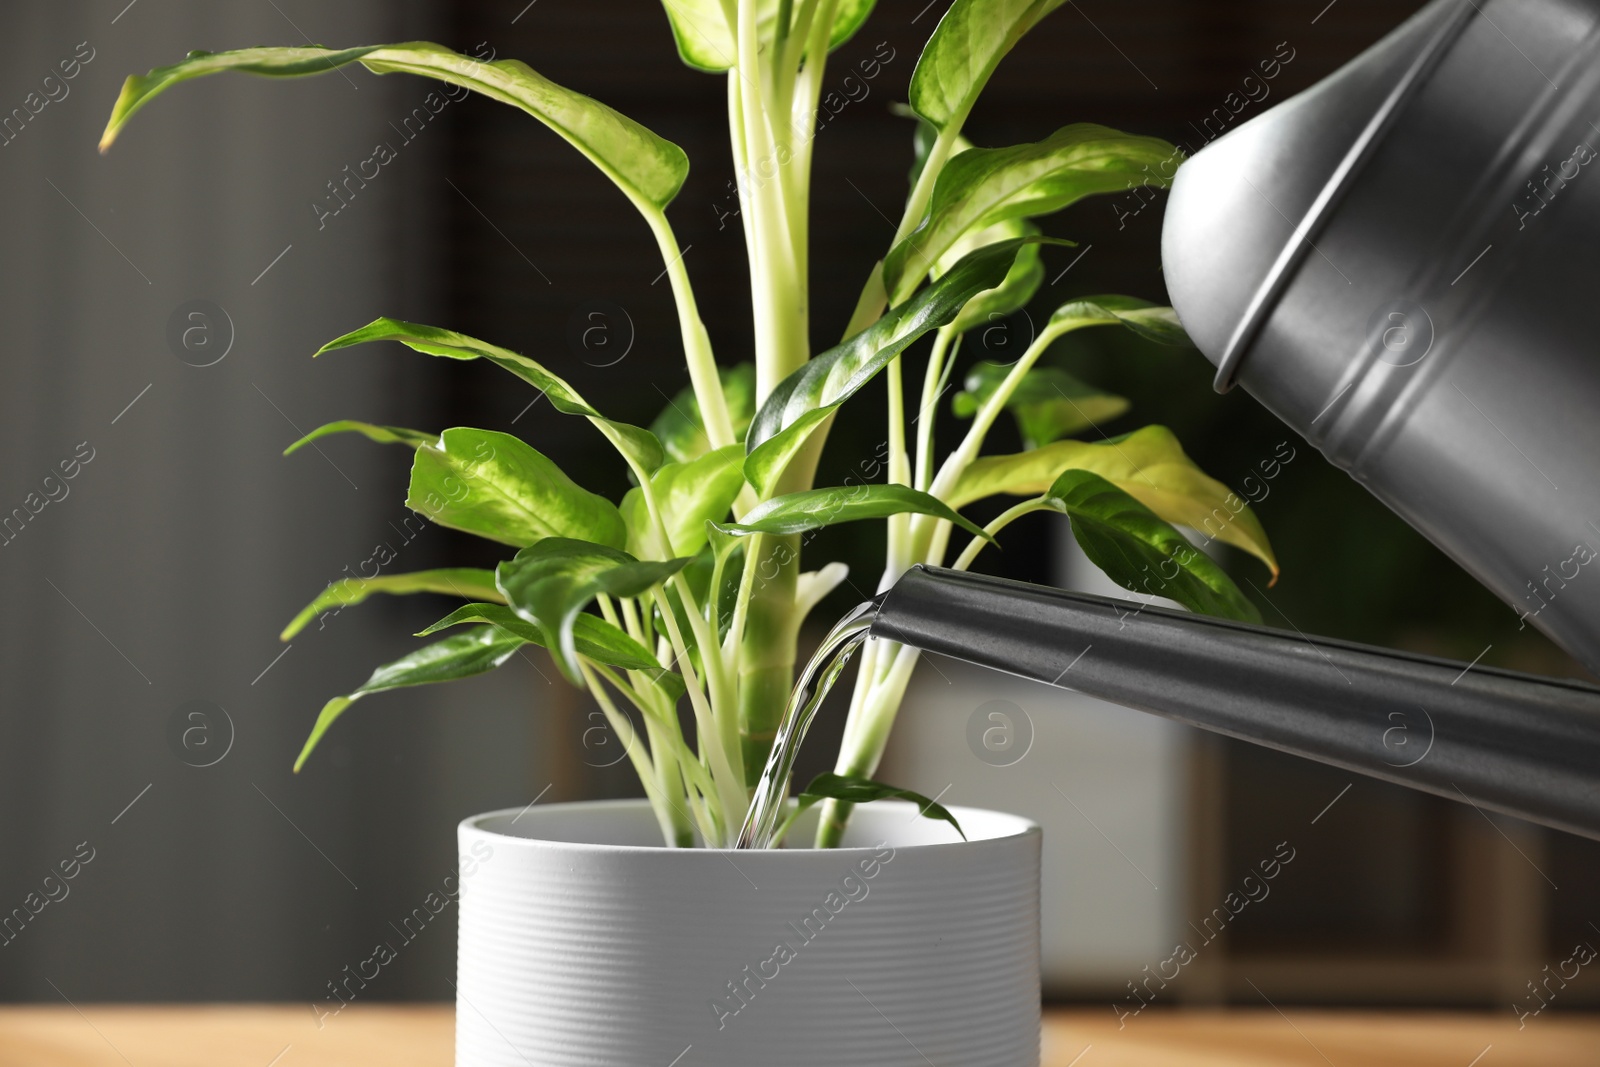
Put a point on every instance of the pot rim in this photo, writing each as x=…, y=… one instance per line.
x=982, y=825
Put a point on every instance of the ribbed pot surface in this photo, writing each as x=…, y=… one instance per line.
x=582, y=943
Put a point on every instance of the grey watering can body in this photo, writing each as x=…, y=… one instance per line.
x=1403, y=264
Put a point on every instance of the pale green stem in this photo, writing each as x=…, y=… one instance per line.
x=927, y=413
x=922, y=192
x=670, y=783
x=815, y=25
x=642, y=763
x=741, y=160
x=865, y=747
x=696, y=342
x=772, y=626
x=779, y=294
x=978, y=544
x=630, y=615
x=767, y=637
x=899, y=473
x=741, y=603
x=784, y=827
x=719, y=684
x=719, y=567
x=767, y=652
x=799, y=42
x=924, y=528
x=731, y=799
x=870, y=304
x=881, y=708
x=666, y=736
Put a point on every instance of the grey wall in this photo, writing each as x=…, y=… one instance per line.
x=183, y=545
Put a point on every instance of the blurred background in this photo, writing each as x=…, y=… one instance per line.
x=144, y=596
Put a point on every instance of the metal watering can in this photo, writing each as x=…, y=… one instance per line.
x=1402, y=264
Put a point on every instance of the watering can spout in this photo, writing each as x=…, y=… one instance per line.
x=1513, y=743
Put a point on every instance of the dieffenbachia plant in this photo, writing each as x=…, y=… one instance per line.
x=689, y=591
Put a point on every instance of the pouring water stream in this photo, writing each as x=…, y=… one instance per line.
x=811, y=688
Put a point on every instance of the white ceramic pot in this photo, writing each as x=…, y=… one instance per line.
x=583, y=942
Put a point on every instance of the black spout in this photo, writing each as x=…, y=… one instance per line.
x=1514, y=743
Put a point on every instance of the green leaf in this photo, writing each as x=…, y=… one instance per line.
x=682, y=431
x=807, y=397
x=384, y=435
x=549, y=583
x=1149, y=464
x=689, y=495
x=1142, y=553
x=649, y=169
x=461, y=656
x=1048, y=403
x=815, y=508
x=498, y=486
x=1021, y=283
x=865, y=790
x=464, y=582
x=594, y=637
x=983, y=186
x=966, y=47
x=639, y=447
x=1157, y=324
x=705, y=42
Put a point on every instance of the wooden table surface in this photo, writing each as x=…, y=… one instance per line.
x=92, y=1035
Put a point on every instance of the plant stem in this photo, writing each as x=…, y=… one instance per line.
x=927, y=413
x=977, y=544
x=814, y=22
x=859, y=758
x=730, y=800
x=922, y=192
x=696, y=342
x=923, y=533
x=660, y=713
x=870, y=304
x=774, y=181
x=767, y=651
x=643, y=765
x=630, y=615
x=899, y=473
x=778, y=291
x=772, y=625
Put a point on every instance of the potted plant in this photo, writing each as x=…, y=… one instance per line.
x=583, y=939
